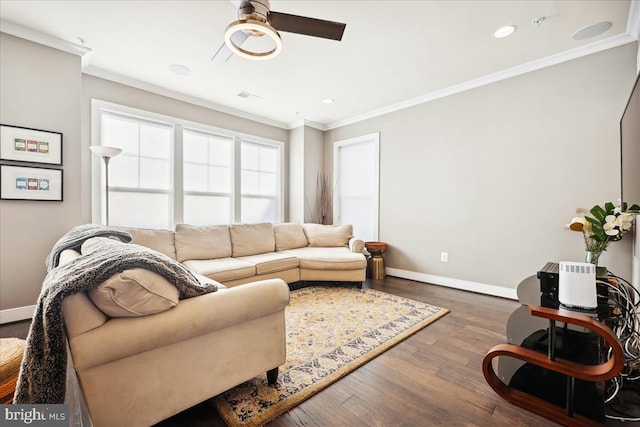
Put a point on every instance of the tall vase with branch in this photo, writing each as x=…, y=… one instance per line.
x=324, y=200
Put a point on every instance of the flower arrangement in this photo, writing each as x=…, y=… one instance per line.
x=607, y=224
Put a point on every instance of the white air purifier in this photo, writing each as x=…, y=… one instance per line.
x=577, y=285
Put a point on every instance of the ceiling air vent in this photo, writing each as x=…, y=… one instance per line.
x=247, y=95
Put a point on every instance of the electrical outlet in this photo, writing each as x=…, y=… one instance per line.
x=444, y=256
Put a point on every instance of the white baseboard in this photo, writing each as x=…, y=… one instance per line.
x=16, y=314
x=466, y=285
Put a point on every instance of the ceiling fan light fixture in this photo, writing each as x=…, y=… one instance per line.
x=253, y=27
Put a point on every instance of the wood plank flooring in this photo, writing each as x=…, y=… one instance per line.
x=433, y=378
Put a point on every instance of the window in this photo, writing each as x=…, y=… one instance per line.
x=260, y=186
x=356, y=181
x=173, y=171
x=140, y=179
x=207, y=169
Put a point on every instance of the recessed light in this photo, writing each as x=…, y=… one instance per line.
x=591, y=31
x=180, y=70
x=505, y=31
x=327, y=101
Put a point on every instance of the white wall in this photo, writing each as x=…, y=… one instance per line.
x=296, y=175
x=41, y=88
x=313, y=165
x=491, y=175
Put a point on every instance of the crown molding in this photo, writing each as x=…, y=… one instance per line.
x=17, y=30
x=128, y=81
x=304, y=122
x=633, y=20
x=548, y=61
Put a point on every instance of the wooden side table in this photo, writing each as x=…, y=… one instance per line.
x=375, y=264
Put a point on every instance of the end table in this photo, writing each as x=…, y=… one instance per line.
x=375, y=264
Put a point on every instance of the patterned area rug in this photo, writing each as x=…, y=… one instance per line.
x=331, y=330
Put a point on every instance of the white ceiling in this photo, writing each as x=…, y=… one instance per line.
x=393, y=53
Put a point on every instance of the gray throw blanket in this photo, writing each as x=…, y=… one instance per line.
x=42, y=377
x=76, y=237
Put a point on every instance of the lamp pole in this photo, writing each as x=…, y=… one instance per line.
x=106, y=153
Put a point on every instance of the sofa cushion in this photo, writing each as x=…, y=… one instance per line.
x=328, y=258
x=328, y=236
x=134, y=292
x=202, y=242
x=222, y=269
x=289, y=235
x=162, y=241
x=252, y=239
x=271, y=262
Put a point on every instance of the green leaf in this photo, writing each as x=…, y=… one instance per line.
x=623, y=207
x=592, y=220
x=609, y=207
x=633, y=208
x=598, y=213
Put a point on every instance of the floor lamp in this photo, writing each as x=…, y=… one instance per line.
x=106, y=153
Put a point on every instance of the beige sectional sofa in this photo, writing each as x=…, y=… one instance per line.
x=243, y=253
x=138, y=367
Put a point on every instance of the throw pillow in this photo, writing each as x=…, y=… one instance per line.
x=135, y=292
x=252, y=239
x=289, y=235
x=331, y=236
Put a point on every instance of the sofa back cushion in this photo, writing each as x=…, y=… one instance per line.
x=331, y=236
x=202, y=242
x=289, y=235
x=252, y=239
x=162, y=241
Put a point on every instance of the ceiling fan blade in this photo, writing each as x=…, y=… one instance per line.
x=307, y=26
x=224, y=53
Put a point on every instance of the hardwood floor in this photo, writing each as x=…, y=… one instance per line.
x=433, y=378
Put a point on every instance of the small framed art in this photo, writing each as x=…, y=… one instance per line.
x=30, y=145
x=30, y=183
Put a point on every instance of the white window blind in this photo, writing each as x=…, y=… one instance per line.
x=172, y=171
x=260, y=182
x=356, y=165
x=140, y=179
x=207, y=178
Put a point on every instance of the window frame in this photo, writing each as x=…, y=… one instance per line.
x=177, y=191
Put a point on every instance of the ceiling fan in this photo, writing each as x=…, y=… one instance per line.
x=256, y=19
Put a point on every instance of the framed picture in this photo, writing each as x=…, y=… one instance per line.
x=30, y=183
x=30, y=145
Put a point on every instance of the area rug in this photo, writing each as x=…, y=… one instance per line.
x=331, y=331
